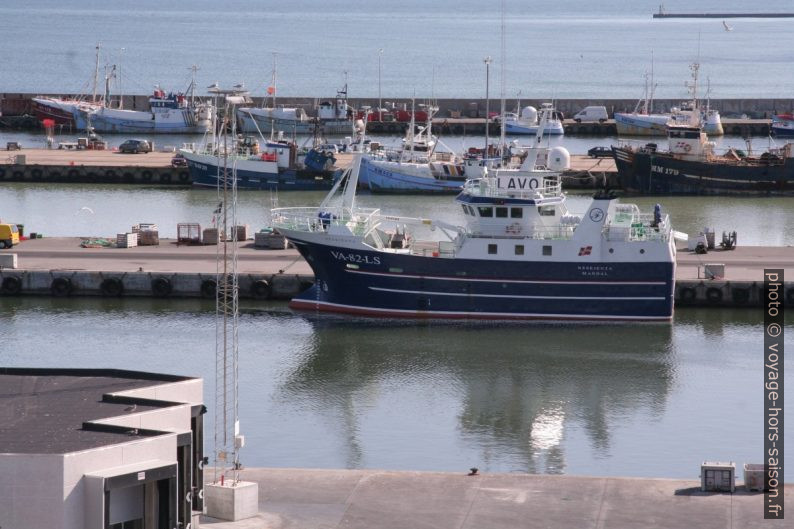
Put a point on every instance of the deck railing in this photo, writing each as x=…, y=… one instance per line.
x=313, y=219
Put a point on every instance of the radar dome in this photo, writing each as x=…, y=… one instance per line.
x=559, y=159
x=529, y=114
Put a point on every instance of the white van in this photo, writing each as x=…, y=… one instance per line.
x=592, y=113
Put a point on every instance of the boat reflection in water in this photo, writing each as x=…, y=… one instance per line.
x=501, y=397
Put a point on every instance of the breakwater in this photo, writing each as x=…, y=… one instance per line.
x=19, y=104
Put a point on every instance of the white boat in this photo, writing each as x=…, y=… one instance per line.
x=335, y=116
x=266, y=120
x=527, y=121
x=169, y=114
x=644, y=122
x=520, y=255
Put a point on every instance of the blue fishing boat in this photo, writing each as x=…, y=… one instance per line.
x=277, y=165
x=520, y=255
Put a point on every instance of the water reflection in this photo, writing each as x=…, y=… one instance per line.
x=519, y=389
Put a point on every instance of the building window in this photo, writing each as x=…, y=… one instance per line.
x=501, y=213
x=492, y=249
x=546, y=211
x=547, y=250
x=516, y=213
x=519, y=249
x=486, y=211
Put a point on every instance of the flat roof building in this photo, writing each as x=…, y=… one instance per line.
x=99, y=449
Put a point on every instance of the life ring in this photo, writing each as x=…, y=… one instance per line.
x=714, y=295
x=740, y=296
x=12, y=285
x=514, y=228
x=260, y=289
x=687, y=294
x=61, y=287
x=209, y=288
x=184, y=176
x=112, y=287
x=687, y=147
x=146, y=176
x=161, y=287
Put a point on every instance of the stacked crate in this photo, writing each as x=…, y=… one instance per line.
x=126, y=240
x=148, y=234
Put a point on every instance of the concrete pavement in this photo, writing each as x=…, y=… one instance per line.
x=366, y=499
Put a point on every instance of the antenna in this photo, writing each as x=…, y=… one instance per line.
x=227, y=424
x=193, y=69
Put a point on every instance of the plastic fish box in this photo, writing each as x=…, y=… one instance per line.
x=126, y=240
x=273, y=241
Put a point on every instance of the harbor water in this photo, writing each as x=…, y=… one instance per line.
x=555, y=49
x=97, y=210
x=329, y=392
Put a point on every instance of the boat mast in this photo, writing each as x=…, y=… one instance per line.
x=649, y=110
x=193, y=69
x=487, y=62
x=96, y=74
x=273, y=81
x=504, y=81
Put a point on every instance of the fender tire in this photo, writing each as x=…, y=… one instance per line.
x=112, y=287
x=209, y=288
x=61, y=287
x=161, y=287
x=260, y=289
x=12, y=285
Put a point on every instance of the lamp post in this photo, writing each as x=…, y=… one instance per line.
x=380, y=102
x=487, y=62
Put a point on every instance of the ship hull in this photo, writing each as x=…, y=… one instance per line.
x=252, y=123
x=393, y=177
x=385, y=284
x=655, y=125
x=660, y=173
x=180, y=121
x=257, y=175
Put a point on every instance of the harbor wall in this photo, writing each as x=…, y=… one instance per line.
x=68, y=283
x=95, y=174
x=18, y=104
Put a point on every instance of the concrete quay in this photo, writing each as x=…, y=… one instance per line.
x=60, y=267
x=364, y=499
x=154, y=168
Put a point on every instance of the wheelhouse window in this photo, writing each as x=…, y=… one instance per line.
x=492, y=249
x=546, y=211
x=465, y=209
x=547, y=250
x=519, y=249
x=501, y=213
x=485, y=211
x=516, y=213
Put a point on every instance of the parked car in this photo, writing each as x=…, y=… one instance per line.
x=9, y=235
x=135, y=146
x=178, y=161
x=591, y=113
x=600, y=152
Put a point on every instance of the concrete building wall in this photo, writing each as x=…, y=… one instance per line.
x=189, y=391
x=80, y=509
x=31, y=491
x=171, y=419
